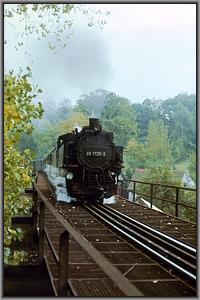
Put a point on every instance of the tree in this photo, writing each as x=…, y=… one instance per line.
x=76, y=120
x=45, y=139
x=161, y=175
x=18, y=113
x=157, y=145
x=184, y=129
x=152, y=104
x=27, y=141
x=134, y=157
x=192, y=165
x=92, y=104
x=188, y=198
x=41, y=20
x=179, y=116
x=54, y=111
x=119, y=117
x=63, y=109
x=148, y=110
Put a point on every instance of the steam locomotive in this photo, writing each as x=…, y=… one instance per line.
x=89, y=161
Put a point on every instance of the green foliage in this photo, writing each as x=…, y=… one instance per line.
x=14, y=257
x=62, y=109
x=119, y=117
x=163, y=175
x=179, y=115
x=192, y=165
x=42, y=20
x=76, y=119
x=46, y=130
x=188, y=198
x=93, y=103
x=18, y=109
x=134, y=157
x=46, y=139
x=26, y=205
x=18, y=113
x=157, y=145
x=33, y=18
x=54, y=112
x=27, y=141
x=145, y=112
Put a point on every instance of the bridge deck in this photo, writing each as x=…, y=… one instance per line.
x=85, y=277
x=180, y=229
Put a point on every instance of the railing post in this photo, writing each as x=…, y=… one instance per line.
x=41, y=232
x=134, y=185
x=119, y=192
x=63, y=262
x=151, y=195
x=34, y=210
x=177, y=201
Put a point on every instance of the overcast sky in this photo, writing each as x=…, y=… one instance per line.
x=144, y=51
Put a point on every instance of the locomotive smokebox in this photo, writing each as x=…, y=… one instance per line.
x=94, y=124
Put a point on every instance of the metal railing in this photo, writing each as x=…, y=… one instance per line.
x=62, y=260
x=133, y=186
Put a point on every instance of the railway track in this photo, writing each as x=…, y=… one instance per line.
x=177, y=228
x=168, y=250
x=85, y=277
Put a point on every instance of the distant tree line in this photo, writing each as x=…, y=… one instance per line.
x=153, y=133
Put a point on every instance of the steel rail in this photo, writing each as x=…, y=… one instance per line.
x=153, y=248
x=186, y=258
x=128, y=288
x=166, y=239
x=156, y=244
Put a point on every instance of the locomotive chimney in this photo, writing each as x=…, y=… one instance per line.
x=94, y=124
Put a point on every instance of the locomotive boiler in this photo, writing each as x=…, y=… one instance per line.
x=89, y=161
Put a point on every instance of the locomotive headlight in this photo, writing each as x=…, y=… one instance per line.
x=69, y=176
x=120, y=177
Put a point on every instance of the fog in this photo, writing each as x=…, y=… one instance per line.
x=143, y=51
x=81, y=67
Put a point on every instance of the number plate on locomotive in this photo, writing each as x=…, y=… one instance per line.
x=95, y=154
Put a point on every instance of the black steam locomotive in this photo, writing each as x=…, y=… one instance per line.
x=89, y=161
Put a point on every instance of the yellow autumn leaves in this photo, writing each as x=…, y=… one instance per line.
x=76, y=119
x=18, y=114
